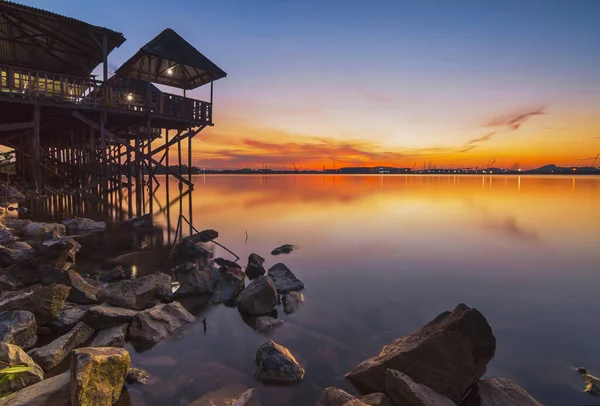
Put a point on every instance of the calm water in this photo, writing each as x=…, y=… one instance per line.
x=382, y=255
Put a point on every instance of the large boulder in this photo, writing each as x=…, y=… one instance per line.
x=258, y=298
x=17, y=224
x=104, y=316
x=11, y=256
x=18, y=327
x=98, y=375
x=78, y=224
x=135, y=293
x=44, y=302
x=404, y=391
x=49, y=392
x=284, y=279
x=59, y=253
x=164, y=287
x=111, y=337
x=29, y=273
x=81, y=291
x=69, y=316
x=230, y=283
x=292, y=301
x=276, y=364
x=11, y=355
x=255, y=267
x=196, y=279
x=40, y=229
x=448, y=355
x=152, y=325
x=503, y=391
x=50, y=355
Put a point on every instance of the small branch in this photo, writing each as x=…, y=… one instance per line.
x=211, y=240
x=246, y=236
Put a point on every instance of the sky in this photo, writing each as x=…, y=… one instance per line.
x=335, y=83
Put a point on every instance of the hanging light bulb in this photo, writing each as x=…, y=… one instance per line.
x=170, y=71
x=130, y=97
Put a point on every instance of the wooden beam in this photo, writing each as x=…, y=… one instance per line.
x=17, y=126
x=36, y=161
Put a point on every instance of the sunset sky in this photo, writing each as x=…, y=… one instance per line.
x=317, y=83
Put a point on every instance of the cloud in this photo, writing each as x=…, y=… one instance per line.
x=513, y=121
x=486, y=137
x=467, y=149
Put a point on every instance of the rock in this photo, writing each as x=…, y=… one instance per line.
x=204, y=236
x=18, y=327
x=60, y=253
x=50, y=355
x=592, y=383
x=83, y=224
x=49, y=392
x=503, y=391
x=260, y=297
x=228, y=395
x=103, y=316
x=188, y=251
x=230, y=283
x=17, y=224
x=7, y=238
x=11, y=355
x=337, y=397
x=137, y=375
x=152, y=325
x=255, y=267
x=69, y=316
x=22, y=246
x=448, y=354
x=10, y=256
x=196, y=280
x=45, y=303
x=404, y=391
x=39, y=229
x=111, y=337
x=164, y=287
x=134, y=293
x=113, y=275
x=29, y=273
x=227, y=263
x=275, y=364
x=81, y=291
x=9, y=194
x=284, y=249
x=285, y=281
x=292, y=301
x=98, y=375
x=145, y=221
x=377, y=399
x=266, y=323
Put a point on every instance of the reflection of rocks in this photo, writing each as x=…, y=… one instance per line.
x=83, y=224
x=44, y=302
x=11, y=355
x=135, y=293
x=503, y=391
x=18, y=327
x=284, y=249
x=266, y=323
x=292, y=301
x=152, y=325
x=49, y=392
x=255, y=267
x=284, y=279
x=276, y=364
x=448, y=354
x=260, y=297
x=230, y=283
x=50, y=355
x=111, y=337
x=404, y=391
x=104, y=316
x=196, y=279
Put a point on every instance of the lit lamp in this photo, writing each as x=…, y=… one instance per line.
x=130, y=97
x=170, y=71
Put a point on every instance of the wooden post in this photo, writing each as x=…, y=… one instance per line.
x=149, y=130
x=36, y=160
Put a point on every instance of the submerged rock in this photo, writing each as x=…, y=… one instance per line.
x=98, y=375
x=229, y=395
x=111, y=337
x=266, y=323
x=152, y=325
x=137, y=375
x=11, y=355
x=83, y=224
x=49, y=392
x=258, y=298
x=104, y=316
x=285, y=281
x=136, y=293
x=69, y=316
x=230, y=283
x=81, y=291
x=284, y=249
x=337, y=397
x=404, y=391
x=196, y=279
x=146, y=221
x=503, y=391
x=276, y=364
x=448, y=354
x=292, y=301
x=255, y=267
x=50, y=355
x=44, y=302
x=39, y=229
x=18, y=327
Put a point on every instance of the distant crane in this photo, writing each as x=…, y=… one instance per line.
x=296, y=169
x=595, y=160
x=515, y=166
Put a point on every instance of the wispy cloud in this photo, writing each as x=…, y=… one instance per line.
x=513, y=121
x=486, y=137
x=467, y=149
x=555, y=128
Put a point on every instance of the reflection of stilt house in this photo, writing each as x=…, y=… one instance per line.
x=94, y=133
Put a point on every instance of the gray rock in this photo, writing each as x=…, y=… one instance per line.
x=146, y=221
x=7, y=238
x=276, y=364
x=83, y=224
x=39, y=229
x=196, y=280
x=337, y=397
x=255, y=267
x=266, y=323
x=49, y=392
x=188, y=251
x=111, y=337
x=18, y=327
x=50, y=355
x=502, y=392
x=260, y=297
x=164, y=287
x=112, y=275
x=230, y=283
x=292, y=301
x=204, y=236
x=448, y=354
x=17, y=224
x=12, y=355
x=227, y=263
x=377, y=399
x=103, y=316
x=134, y=293
x=60, y=254
x=98, y=375
x=69, y=316
x=152, y=325
x=284, y=279
x=81, y=291
x=284, y=249
x=29, y=273
x=137, y=375
x=44, y=302
x=11, y=256
x=404, y=391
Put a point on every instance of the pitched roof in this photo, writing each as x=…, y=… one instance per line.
x=42, y=40
x=173, y=62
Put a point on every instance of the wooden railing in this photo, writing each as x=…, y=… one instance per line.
x=89, y=92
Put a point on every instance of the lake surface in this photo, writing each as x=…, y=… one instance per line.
x=380, y=256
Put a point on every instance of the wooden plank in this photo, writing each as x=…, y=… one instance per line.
x=17, y=126
x=36, y=160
